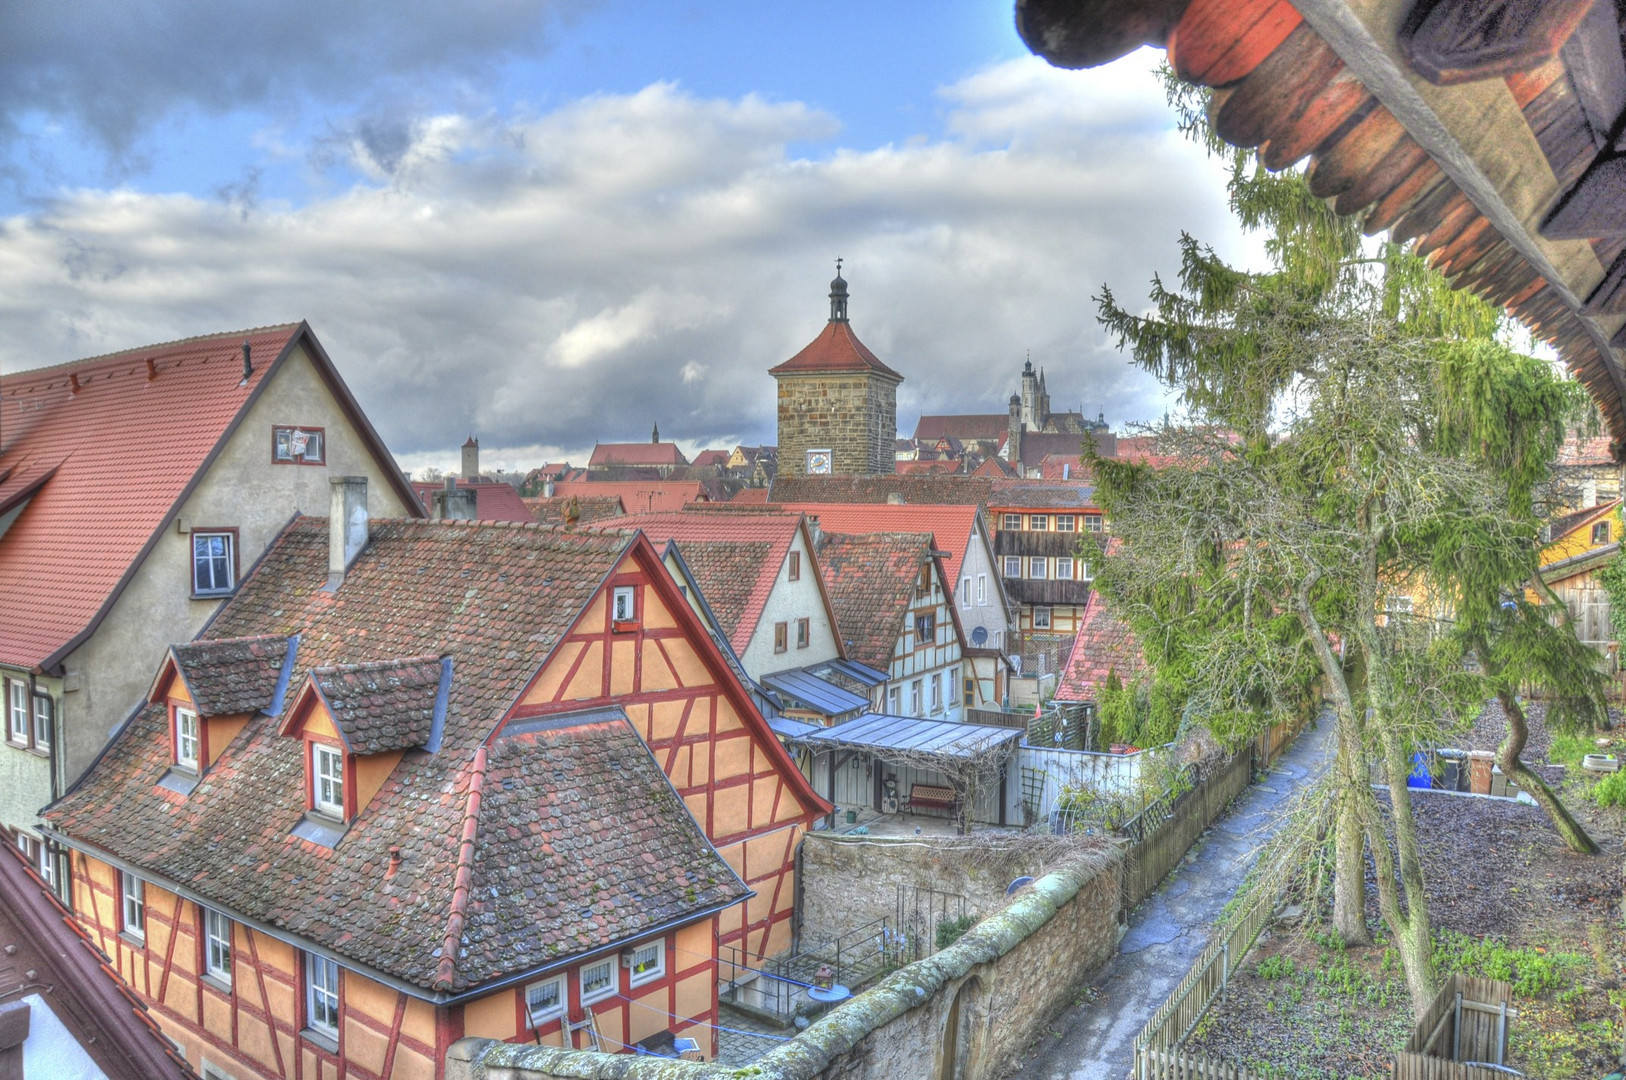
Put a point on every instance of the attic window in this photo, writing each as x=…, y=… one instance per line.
x=327, y=780
x=186, y=738
x=624, y=606
x=1600, y=532
x=298, y=446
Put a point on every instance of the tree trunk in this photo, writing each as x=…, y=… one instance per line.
x=1410, y=927
x=1508, y=757
x=1349, y=875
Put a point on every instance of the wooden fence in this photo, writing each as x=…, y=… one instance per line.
x=1174, y=1065
x=1463, y=1029
x=1162, y=834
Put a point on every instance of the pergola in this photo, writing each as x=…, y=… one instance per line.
x=1490, y=132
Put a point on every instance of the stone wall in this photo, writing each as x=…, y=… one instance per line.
x=854, y=416
x=962, y=1013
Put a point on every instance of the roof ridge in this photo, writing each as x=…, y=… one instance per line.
x=155, y=345
x=446, y=970
x=365, y=665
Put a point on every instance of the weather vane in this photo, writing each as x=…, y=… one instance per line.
x=838, y=268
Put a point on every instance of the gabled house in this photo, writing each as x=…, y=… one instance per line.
x=1037, y=528
x=136, y=489
x=1582, y=531
x=421, y=780
x=894, y=607
x=663, y=457
x=1104, y=649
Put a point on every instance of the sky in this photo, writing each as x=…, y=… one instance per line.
x=549, y=223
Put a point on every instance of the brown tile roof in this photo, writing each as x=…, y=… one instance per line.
x=638, y=496
x=750, y=495
x=928, y=467
x=995, y=468
x=836, y=349
x=871, y=581
x=635, y=453
x=1077, y=494
x=982, y=427
x=708, y=459
x=494, y=500
x=587, y=508
x=1104, y=646
x=235, y=676
x=495, y=598
x=387, y=705
x=47, y=953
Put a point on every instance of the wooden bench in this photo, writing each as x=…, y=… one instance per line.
x=931, y=797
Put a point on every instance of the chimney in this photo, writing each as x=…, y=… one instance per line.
x=346, y=526
x=453, y=503
x=471, y=459
x=248, y=363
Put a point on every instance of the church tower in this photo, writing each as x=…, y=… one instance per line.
x=838, y=404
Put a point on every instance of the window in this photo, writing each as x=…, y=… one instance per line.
x=322, y=995
x=894, y=701
x=186, y=738
x=298, y=446
x=804, y=633
x=133, y=908
x=44, y=720
x=1092, y=522
x=970, y=692
x=1013, y=566
x=1083, y=569
x=1600, y=533
x=17, y=711
x=1013, y=521
x=217, y=945
x=598, y=981
x=1036, y=567
x=38, y=856
x=1039, y=522
x=545, y=1000
x=914, y=698
x=623, y=604
x=214, y=1072
x=1066, y=523
x=937, y=693
x=1398, y=605
x=965, y=592
x=795, y=572
x=925, y=629
x=781, y=636
x=648, y=962
x=327, y=767
x=214, y=568
x=1064, y=569
x=982, y=590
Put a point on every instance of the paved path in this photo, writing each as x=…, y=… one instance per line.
x=1170, y=928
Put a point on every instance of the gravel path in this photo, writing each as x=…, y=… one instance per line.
x=1095, y=1039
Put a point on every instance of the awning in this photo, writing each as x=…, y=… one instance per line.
x=907, y=738
x=861, y=673
x=815, y=693
x=788, y=728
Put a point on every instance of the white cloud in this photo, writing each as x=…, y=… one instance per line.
x=581, y=273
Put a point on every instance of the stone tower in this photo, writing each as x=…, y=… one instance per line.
x=838, y=404
x=471, y=459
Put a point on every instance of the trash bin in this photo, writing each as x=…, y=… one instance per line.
x=1420, y=775
x=852, y=816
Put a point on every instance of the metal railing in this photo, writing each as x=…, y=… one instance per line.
x=779, y=984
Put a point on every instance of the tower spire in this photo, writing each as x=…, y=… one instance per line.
x=838, y=296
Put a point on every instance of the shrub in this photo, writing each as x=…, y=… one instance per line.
x=1611, y=790
x=1275, y=967
x=1530, y=972
x=951, y=930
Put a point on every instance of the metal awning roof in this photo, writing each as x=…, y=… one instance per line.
x=880, y=734
x=788, y=728
x=859, y=672
x=815, y=693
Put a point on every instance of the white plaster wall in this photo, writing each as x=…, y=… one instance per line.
x=994, y=614
x=909, y=664
x=789, y=601
x=243, y=489
x=51, y=1050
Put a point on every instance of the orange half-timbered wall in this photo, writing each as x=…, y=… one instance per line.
x=664, y=671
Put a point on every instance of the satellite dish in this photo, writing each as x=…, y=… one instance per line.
x=979, y=636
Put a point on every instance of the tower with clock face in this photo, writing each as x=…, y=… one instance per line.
x=838, y=404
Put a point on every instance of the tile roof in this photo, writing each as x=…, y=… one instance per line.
x=931, y=490
x=953, y=526
x=587, y=508
x=750, y=495
x=982, y=427
x=708, y=459
x=638, y=496
x=386, y=705
x=1043, y=495
x=871, y=581
x=636, y=453
x=995, y=468
x=836, y=349
x=1037, y=445
x=736, y=559
x=1104, y=646
x=494, y=597
x=494, y=500
x=240, y=675
x=1565, y=524
x=928, y=467
x=1577, y=451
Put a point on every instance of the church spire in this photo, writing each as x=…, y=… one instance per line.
x=838, y=296
x=655, y=433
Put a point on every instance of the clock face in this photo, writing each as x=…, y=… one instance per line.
x=818, y=462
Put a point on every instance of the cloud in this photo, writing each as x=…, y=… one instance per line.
x=551, y=279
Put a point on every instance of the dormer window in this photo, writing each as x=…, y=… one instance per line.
x=186, y=738
x=327, y=774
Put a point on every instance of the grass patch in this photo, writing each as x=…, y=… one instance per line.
x=1568, y=748
x=1611, y=790
x=1530, y=971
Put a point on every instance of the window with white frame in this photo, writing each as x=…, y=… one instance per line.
x=545, y=1000
x=893, y=697
x=322, y=995
x=133, y=905
x=1013, y=521
x=298, y=446
x=965, y=592
x=1092, y=523
x=44, y=720
x=914, y=698
x=1036, y=567
x=1013, y=566
x=624, y=605
x=186, y=738
x=982, y=590
x=1041, y=618
x=1064, y=569
x=38, y=856
x=1039, y=522
x=937, y=693
x=17, y=711
x=598, y=981
x=214, y=568
x=648, y=962
x=1066, y=523
x=327, y=772
x=217, y=945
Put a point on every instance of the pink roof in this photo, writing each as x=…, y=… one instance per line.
x=750, y=495
x=638, y=496
x=109, y=447
x=770, y=534
x=493, y=500
x=635, y=453
x=927, y=465
x=836, y=349
x=951, y=525
x=1105, y=646
x=1579, y=451
x=709, y=458
x=1063, y=467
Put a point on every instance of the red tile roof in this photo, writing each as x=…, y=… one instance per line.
x=933, y=490
x=494, y=500
x=1104, y=646
x=496, y=598
x=225, y=678
x=951, y=525
x=995, y=467
x=1577, y=451
x=114, y=444
x=750, y=495
x=836, y=349
x=736, y=559
x=871, y=580
x=707, y=459
x=574, y=509
x=928, y=466
x=983, y=427
x=635, y=453
x=638, y=496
